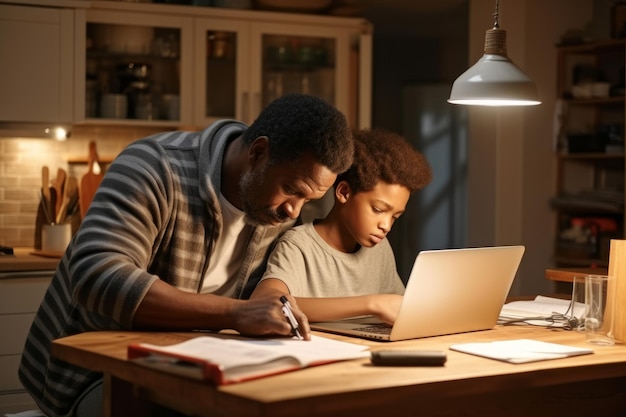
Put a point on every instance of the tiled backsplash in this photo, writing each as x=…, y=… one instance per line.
x=21, y=160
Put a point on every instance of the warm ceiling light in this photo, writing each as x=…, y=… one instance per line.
x=59, y=133
x=35, y=130
x=494, y=80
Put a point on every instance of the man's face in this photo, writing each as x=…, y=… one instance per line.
x=274, y=193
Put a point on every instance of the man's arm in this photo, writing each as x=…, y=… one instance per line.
x=260, y=316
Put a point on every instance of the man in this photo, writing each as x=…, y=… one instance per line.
x=178, y=234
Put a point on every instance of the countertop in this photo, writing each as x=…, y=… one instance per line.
x=28, y=259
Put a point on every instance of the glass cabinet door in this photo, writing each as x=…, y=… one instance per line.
x=244, y=66
x=297, y=64
x=300, y=59
x=132, y=68
x=222, y=68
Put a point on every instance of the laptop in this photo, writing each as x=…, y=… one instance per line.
x=449, y=291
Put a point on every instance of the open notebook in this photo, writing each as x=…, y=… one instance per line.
x=448, y=291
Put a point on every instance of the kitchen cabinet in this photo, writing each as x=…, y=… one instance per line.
x=21, y=293
x=171, y=65
x=245, y=64
x=36, y=75
x=133, y=62
x=589, y=201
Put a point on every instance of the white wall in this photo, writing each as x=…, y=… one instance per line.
x=511, y=173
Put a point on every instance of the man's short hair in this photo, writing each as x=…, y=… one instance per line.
x=298, y=123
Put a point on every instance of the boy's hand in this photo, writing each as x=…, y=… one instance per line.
x=386, y=306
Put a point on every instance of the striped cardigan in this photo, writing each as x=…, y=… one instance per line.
x=155, y=216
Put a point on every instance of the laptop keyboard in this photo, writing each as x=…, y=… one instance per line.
x=381, y=328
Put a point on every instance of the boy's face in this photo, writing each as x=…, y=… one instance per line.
x=369, y=215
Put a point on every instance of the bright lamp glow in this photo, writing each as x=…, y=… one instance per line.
x=494, y=80
x=59, y=133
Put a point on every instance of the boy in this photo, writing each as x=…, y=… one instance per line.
x=343, y=266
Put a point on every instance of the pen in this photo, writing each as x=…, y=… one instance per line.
x=290, y=317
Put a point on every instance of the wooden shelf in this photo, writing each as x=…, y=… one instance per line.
x=568, y=274
x=83, y=160
x=591, y=155
x=595, y=101
x=583, y=178
x=593, y=47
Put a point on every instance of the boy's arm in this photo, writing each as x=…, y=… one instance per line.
x=383, y=306
x=269, y=286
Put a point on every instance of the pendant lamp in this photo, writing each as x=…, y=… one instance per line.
x=494, y=80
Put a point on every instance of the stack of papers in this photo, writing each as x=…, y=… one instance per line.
x=543, y=311
x=520, y=350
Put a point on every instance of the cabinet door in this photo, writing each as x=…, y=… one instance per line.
x=307, y=59
x=241, y=66
x=222, y=65
x=36, y=74
x=20, y=296
x=134, y=68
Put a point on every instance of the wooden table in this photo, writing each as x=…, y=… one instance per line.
x=467, y=385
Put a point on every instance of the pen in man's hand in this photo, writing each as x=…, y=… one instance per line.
x=290, y=317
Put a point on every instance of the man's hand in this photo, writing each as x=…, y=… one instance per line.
x=263, y=315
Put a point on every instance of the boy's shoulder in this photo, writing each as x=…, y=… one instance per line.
x=300, y=234
x=298, y=230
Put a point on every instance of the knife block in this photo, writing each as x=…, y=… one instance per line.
x=616, y=292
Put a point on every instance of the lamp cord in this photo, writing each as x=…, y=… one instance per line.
x=496, y=24
x=495, y=38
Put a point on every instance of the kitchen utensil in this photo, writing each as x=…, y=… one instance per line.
x=57, y=184
x=53, y=204
x=171, y=106
x=70, y=189
x=73, y=207
x=114, y=106
x=90, y=181
x=45, y=206
x=40, y=220
x=45, y=193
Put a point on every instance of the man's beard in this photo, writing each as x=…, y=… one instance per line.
x=250, y=192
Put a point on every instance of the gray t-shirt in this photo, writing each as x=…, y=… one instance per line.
x=312, y=268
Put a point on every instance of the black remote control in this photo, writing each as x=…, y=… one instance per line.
x=406, y=357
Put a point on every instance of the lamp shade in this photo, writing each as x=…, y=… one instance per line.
x=494, y=81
